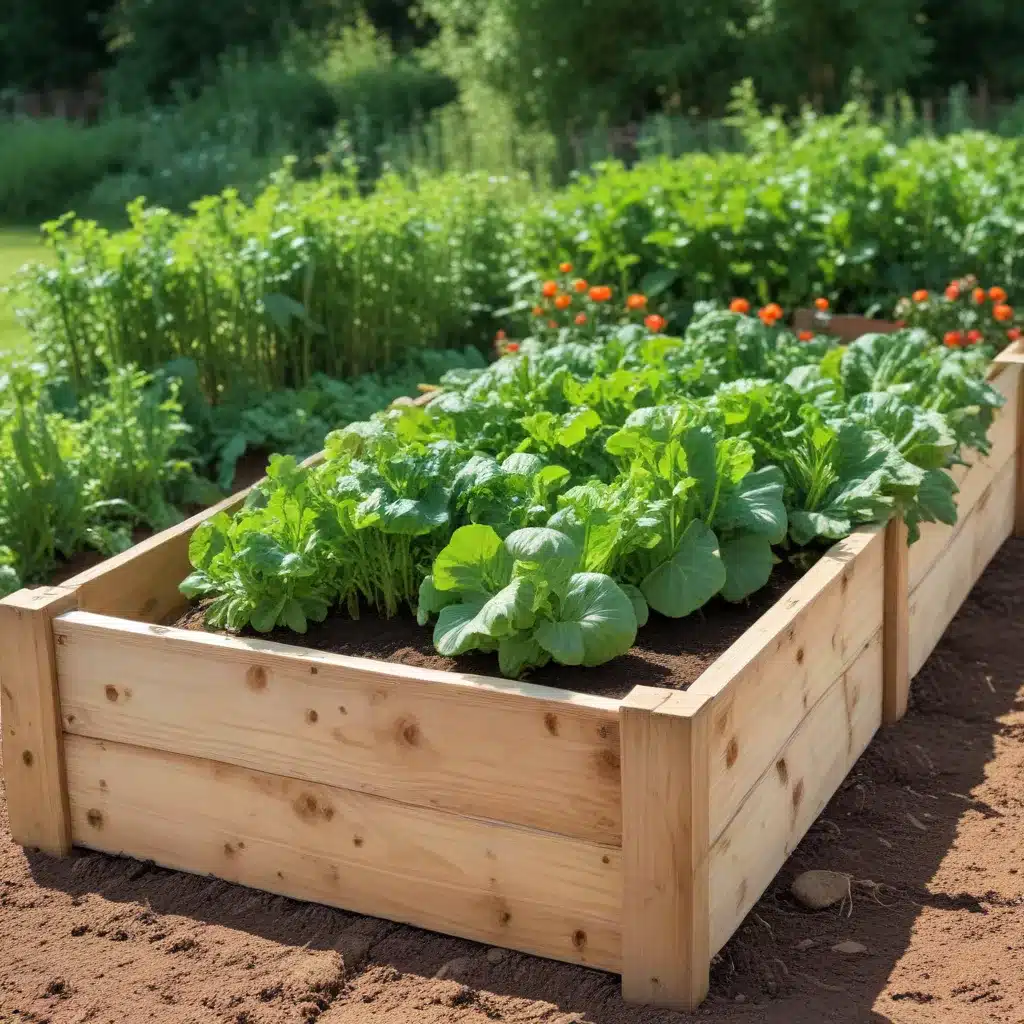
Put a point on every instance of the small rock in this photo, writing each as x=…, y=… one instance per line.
x=849, y=946
x=819, y=889
x=741, y=998
x=917, y=824
x=495, y=955
x=806, y=944
x=447, y=969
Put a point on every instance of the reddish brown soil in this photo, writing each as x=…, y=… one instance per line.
x=668, y=652
x=930, y=826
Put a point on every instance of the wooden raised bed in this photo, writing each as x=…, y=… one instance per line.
x=630, y=835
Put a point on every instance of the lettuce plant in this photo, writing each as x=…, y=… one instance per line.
x=524, y=598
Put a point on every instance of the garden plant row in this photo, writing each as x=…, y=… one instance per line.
x=629, y=834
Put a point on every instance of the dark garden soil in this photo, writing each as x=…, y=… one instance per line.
x=929, y=826
x=668, y=652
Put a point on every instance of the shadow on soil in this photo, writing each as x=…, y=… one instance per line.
x=890, y=826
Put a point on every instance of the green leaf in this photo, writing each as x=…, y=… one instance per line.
x=756, y=506
x=519, y=652
x=595, y=623
x=748, y=565
x=431, y=600
x=264, y=616
x=457, y=629
x=208, y=539
x=805, y=526
x=690, y=578
x=541, y=544
x=293, y=615
x=638, y=601
x=475, y=561
x=522, y=464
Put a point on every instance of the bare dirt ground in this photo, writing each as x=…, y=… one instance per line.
x=929, y=825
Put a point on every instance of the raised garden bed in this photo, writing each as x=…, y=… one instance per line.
x=630, y=834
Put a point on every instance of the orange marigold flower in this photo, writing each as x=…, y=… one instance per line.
x=821, y=303
x=1014, y=334
x=654, y=323
x=806, y=335
x=581, y=319
x=997, y=294
x=973, y=337
x=1002, y=311
x=921, y=295
x=770, y=313
x=550, y=290
x=552, y=324
x=636, y=301
x=739, y=306
x=951, y=339
x=600, y=293
x=953, y=292
x=580, y=285
x=512, y=346
x=978, y=295
x=565, y=268
x=538, y=311
x=500, y=336
x=563, y=301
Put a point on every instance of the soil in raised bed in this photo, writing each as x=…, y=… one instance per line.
x=670, y=653
x=929, y=825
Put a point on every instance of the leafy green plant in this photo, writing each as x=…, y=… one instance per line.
x=523, y=598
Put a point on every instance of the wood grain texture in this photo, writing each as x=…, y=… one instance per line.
x=766, y=682
x=896, y=625
x=810, y=766
x=142, y=582
x=665, y=932
x=975, y=478
x=528, y=890
x=937, y=598
x=30, y=719
x=530, y=755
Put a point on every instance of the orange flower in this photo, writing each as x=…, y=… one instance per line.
x=550, y=290
x=552, y=324
x=636, y=301
x=600, y=293
x=997, y=294
x=1002, y=312
x=806, y=335
x=1014, y=334
x=654, y=323
x=580, y=285
x=953, y=292
x=770, y=313
x=951, y=339
x=500, y=336
x=565, y=268
x=921, y=295
x=739, y=306
x=978, y=295
x=563, y=301
x=973, y=337
x=821, y=304
x=512, y=346
x=581, y=319
x=537, y=311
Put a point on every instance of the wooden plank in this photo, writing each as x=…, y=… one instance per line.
x=494, y=748
x=767, y=681
x=793, y=791
x=938, y=596
x=896, y=625
x=845, y=326
x=30, y=719
x=528, y=890
x=142, y=582
x=973, y=479
x=665, y=932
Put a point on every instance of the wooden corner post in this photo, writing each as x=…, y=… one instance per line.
x=666, y=922
x=30, y=722
x=895, y=624
x=1018, y=509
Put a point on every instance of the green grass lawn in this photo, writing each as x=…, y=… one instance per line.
x=17, y=246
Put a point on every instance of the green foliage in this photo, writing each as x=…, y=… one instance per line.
x=540, y=527
x=308, y=279
x=84, y=479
